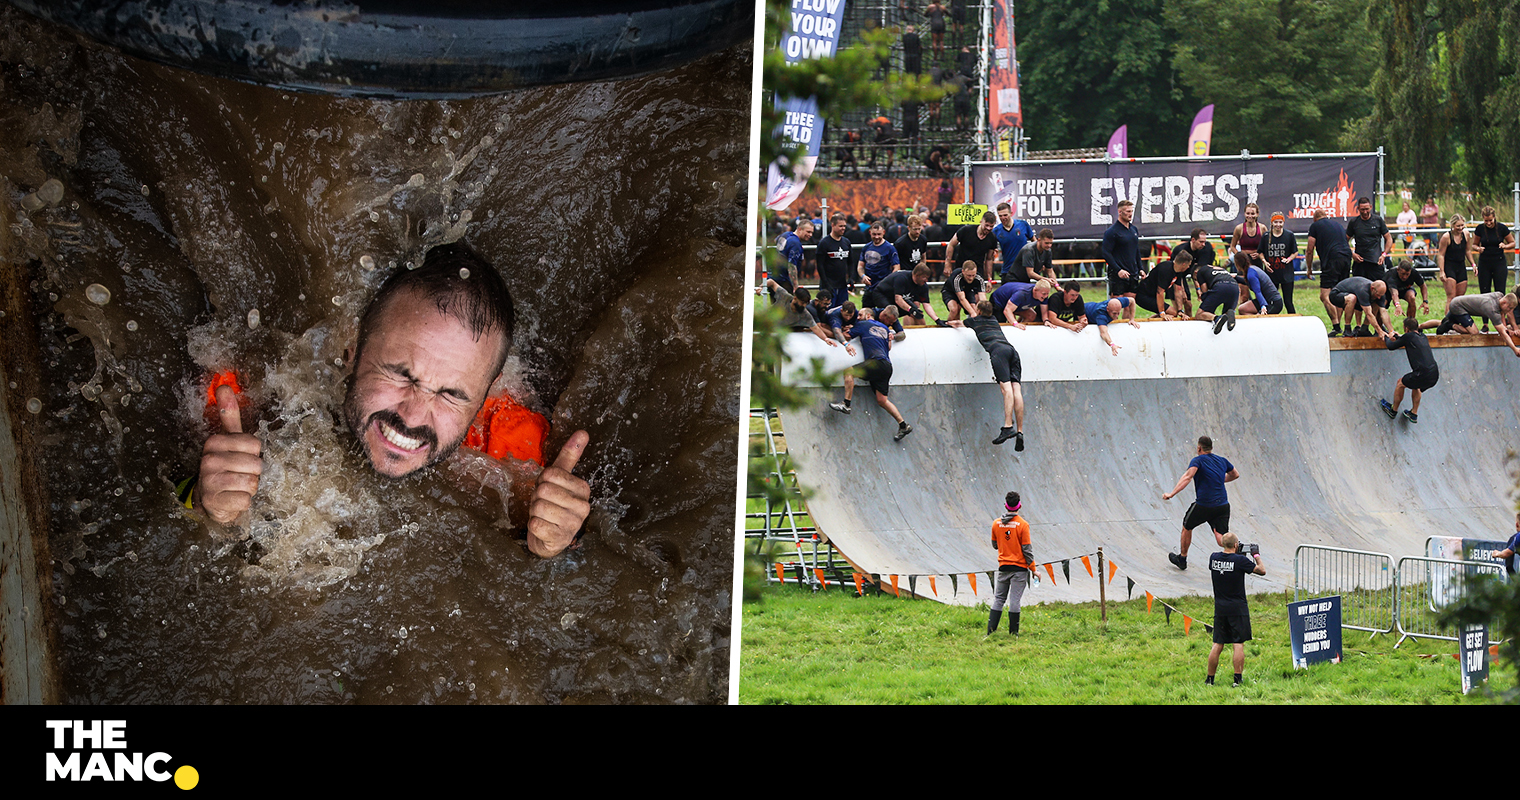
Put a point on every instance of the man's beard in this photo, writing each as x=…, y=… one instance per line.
x=388, y=417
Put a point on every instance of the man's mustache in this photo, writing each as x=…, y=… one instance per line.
x=394, y=421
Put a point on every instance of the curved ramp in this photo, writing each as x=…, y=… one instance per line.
x=1319, y=463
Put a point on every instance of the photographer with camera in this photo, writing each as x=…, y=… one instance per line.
x=1232, y=614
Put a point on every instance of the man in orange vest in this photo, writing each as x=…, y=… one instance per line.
x=1010, y=535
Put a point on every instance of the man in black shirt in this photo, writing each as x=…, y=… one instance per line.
x=1327, y=239
x=913, y=52
x=1423, y=373
x=908, y=291
x=1006, y=370
x=1217, y=290
x=1166, y=278
x=973, y=243
x=1232, y=612
x=1121, y=249
x=1401, y=281
x=1373, y=241
x=833, y=256
x=913, y=246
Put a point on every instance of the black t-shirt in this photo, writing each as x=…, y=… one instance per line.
x=970, y=248
x=1368, y=234
x=1030, y=264
x=1362, y=288
x=833, y=263
x=1057, y=306
x=1278, y=250
x=1229, y=571
x=1161, y=277
x=958, y=283
x=1490, y=238
x=911, y=253
x=1209, y=277
x=1398, y=285
x=1417, y=348
x=1329, y=240
x=911, y=46
x=900, y=283
x=1204, y=257
x=989, y=334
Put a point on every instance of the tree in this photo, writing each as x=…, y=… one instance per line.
x=1083, y=74
x=1285, y=76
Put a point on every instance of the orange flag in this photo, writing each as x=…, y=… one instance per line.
x=1112, y=569
x=894, y=586
x=818, y=573
x=1088, y=564
x=1050, y=570
x=972, y=576
x=780, y=576
x=859, y=588
x=1149, y=598
x=1187, y=624
x=932, y=587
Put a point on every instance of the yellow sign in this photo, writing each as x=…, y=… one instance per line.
x=965, y=213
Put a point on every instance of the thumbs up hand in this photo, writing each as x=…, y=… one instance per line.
x=230, y=464
x=560, y=501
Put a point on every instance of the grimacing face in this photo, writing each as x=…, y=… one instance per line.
x=419, y=379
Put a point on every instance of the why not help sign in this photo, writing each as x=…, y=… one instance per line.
x=1314, y=631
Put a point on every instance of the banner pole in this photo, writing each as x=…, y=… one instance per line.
x=1382, y=203
x=981, y=77
x=1102, y=590
x=966, y=179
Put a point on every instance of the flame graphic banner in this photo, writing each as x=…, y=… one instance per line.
x=1077, y=200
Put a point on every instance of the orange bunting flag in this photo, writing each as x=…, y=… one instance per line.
x=1113, y=569
x=780, y=575
x=1088, y=564
x=932, y=587
x=860, y=590
x=1149, y=598
x=894, y=587
x=1051, y=571
x=822, y=581
x=1187, y=624
x=972, y=576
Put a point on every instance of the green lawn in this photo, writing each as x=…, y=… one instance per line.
x=831, y=647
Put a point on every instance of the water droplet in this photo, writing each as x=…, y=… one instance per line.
x=374, y=216
x=97, y=294
x=402, y=634
x=253, y=318
x=464, y=273
x=411, y=140
x=274, y=234
x=337, y=362
x=51, y=192
x=34, y=405
x=368, y=262
x=119, y=491
x=145, y=190
x=337, y=301
x=131, y=324
x=53, y=296
x=301, y=297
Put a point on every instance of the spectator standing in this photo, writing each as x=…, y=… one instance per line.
x=1278, y=249
x=1373, y=241
x=1232, y=611
x=1010, y=535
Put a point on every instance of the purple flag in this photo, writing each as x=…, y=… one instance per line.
x=1202, y=134
x=1118, y=144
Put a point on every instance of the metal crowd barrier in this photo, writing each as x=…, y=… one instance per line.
x=1365, y=581
x=1425, y=586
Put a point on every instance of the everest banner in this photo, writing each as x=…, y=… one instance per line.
x=1077, y=200
x=812, y=32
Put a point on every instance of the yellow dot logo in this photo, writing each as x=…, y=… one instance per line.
x=186, y=777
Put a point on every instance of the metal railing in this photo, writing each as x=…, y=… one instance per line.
x=1365, y=580
x=803, y=553
x=1424, y=586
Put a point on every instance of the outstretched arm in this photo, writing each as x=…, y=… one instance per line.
x=1182, y=484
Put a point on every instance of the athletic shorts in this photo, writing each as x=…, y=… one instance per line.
x=1118, y=286
x=1006, y=366
x=1456, y=269
x=1420, y=381
x=1218, y=517
x=949, y=297
x=1369, y=269
x=1275, y=306
x=877, y=373
x=1334, y=271
x=1453, y=319
x=1224, y=297
x=875, y=299
x=1232, y=628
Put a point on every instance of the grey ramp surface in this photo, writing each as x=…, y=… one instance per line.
x=1319, y=463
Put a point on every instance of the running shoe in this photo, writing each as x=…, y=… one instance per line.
x=840, y=407
x=1411, y=416
x=1230, y=321
x=1219, y=322
x=1018, y=441
x=1388, y=409
x=1004, y=435
x=1180, y=562
x=902, y=430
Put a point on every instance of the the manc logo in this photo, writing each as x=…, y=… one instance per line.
x=91, y=750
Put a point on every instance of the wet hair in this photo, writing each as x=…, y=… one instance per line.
x=1182, y=257
x=1364, y=199
x=480, y=302
x=1045, y=233
x=1072, y=286
x=989, y=217
x=802, y=294
x=985, y=308
x=1411, y=324
x=878, y=225
x=848, y=307
x=1206, y=443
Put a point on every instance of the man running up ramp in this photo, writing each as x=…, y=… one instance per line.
x=1006, y=369
x=1212, y=504
x=876, y=338
x=1423, y=372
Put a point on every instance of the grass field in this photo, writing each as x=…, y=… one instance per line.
x=833, y=648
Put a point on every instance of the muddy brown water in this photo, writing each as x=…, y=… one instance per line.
x=615, y=211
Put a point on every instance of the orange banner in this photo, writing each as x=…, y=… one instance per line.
x=972, y=576
x=1088, y=564
x=932, y=587
x=1113, y=569
x=780, y=576
x=894, y=586
x=822, y=581
x=1149, y=599
x=860, y=589
x=1187, y=624
x=1051, y=571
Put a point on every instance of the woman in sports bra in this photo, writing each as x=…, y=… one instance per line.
x=1248, y=236
x=1453, y=258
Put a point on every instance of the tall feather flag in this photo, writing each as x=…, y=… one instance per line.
x=1202, y=134
x=1118, y=144
x=813, y=32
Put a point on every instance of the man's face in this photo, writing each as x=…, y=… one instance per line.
x=421, y=377
x=877, y=235
x=1126, y=213
x=1379, y=288
x=838, y=229
x=916, y=228
x=1198, y=241
x=984, y=228
x=1044, y=244
x=1365, y=210
x=805, y=231
x=1071, y=295
x=1005, y=216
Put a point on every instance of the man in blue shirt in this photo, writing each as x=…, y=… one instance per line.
x=790, y=245
x=1212, y=504
x=1507, y=555
x=1012, y=234
x=878, y=258
x=1121, y=249
x=875, y=339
